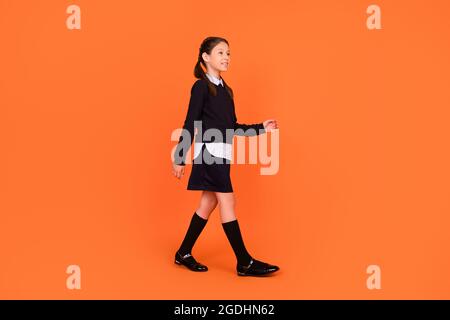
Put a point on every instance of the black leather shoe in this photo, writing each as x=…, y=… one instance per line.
x=189, y=261
x=256, y=268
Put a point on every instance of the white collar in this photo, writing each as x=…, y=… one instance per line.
x=214, y=80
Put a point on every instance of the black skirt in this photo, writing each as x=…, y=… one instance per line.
x=210, y=175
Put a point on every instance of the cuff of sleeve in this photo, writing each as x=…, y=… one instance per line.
x=181, y=163
x=261, y=127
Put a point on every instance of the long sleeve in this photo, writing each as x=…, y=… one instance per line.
x=198, y=94
x=258, y=128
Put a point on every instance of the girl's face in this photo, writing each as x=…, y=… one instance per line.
x=219, y=58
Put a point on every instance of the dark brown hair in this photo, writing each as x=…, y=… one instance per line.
x=207, y=45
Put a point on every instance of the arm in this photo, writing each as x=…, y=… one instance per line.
x=198, y=93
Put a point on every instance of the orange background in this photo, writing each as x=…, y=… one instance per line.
x=86, y=117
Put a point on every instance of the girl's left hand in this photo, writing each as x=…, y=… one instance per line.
x=270, y=125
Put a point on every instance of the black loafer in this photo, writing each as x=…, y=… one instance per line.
x=256, y=268
x=189, y=261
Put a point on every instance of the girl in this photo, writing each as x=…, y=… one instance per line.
x=211, y=104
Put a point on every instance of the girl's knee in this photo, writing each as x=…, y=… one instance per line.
x=208, y=203
x=227, y=203
x=210, y=199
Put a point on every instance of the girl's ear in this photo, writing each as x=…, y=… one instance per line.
x=205, y=56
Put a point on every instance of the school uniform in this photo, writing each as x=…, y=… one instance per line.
x=212, y=155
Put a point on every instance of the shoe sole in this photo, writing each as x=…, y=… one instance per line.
x=255, y=275
x=179, y=263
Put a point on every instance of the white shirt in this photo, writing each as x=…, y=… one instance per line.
x=217, y=149
x=214, y=80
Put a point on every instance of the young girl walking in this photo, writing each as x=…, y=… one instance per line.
x=212, y=106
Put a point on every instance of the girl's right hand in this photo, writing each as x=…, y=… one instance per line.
x=177, y=171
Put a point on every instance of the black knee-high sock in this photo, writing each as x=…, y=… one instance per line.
x=195, y=228
x=233, y=233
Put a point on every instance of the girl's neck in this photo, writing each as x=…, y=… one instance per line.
x=214, y=74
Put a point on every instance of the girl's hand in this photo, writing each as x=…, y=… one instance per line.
x=270, y=125
x=177, y=171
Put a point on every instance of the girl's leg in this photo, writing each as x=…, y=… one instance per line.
x=231, y=227
x=226, y=204
x=246, y=265
x=208, y=202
